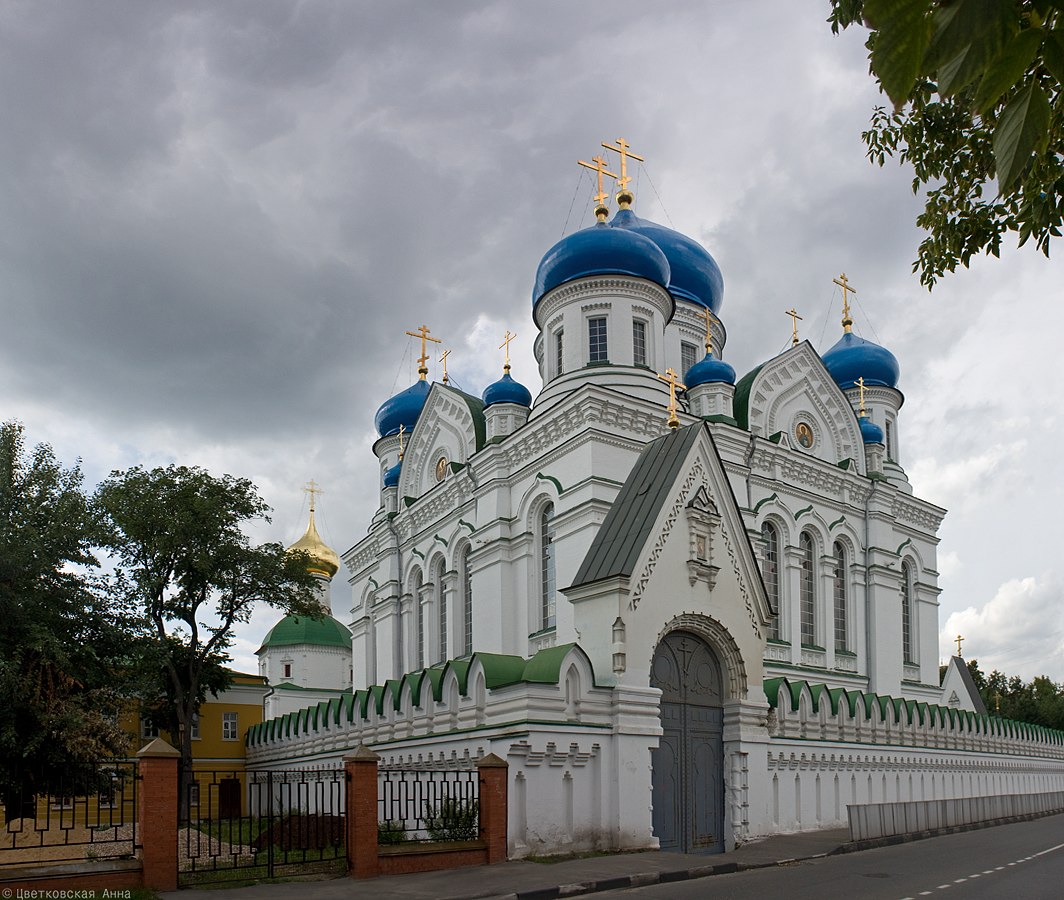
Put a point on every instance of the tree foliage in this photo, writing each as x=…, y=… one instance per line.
x=975, y=88
x=63, y=644
x=185, y=563
x=1039, y=701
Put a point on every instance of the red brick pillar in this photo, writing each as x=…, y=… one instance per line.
x=157, y=814
x=360, y=773
x=493, y=774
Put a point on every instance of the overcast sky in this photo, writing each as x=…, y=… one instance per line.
x=217, y=220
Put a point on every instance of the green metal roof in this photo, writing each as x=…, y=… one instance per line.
x=323, y=632
x=741, y=398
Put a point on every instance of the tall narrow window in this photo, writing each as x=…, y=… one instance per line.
x=841, y=623
x=230, y=731
x=467, y=603
x=889, y=436
x=639, y=342
x=419, y=616
x=547, y=574
x=597, y=350
x=907, y=612
x=559, y=351
x=688, y=354
x=441, y=600
x=806, y=590
x=771, y=573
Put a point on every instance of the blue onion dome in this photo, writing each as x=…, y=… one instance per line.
x=506, y=390
x=709, y=370
x=871, y=433
x=694, y=274
x=600, y=250
x=402, y=409
x=854, y=357
x=391, y=477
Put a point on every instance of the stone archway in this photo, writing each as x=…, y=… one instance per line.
x=688, y=765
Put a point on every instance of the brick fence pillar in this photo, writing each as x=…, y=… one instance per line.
x=157, y=814
x=493, y=775
x=360, y=775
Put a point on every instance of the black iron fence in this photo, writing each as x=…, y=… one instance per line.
x=79, y=811
x=239, y=825
x=427, y=805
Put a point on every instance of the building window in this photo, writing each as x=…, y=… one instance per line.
x=559, y=351
x=229, y=727
x=688, y=357
x=194, y=730
x=639, y=342
x=286, y=669
x=467, y=603
x=907, y=613
x=771, y=573
x=806, y=590
x=193, y=794
x=148, y=730
x=547, y=573
x=441, y=599
x=841, y=624
x=419, y=616
x=597, y=350
x=889, y=438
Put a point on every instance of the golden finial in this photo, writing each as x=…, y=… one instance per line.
x=601, y=211
x=795, y=319
x=312, y=489
x=673, y=381
x=624, y=196
x=841, y=281
x=709, y=330
x=443, y=359
x=861, y=388
x=958, y=639
x=402, y=449
x=423, y=333
x=505, y=345
x=997, y=702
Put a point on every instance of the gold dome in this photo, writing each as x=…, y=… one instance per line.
x=323, y=559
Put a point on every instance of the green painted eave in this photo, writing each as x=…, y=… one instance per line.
x=741, y=399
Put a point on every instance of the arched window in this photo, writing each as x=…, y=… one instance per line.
x=547, y=574
x=807, y=590
x=419, y=618
x=441, y=607
x=467, y=603
x=907, y=613
x=771, y=573
x=841, y=600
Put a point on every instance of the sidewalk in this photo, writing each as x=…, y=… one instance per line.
x=523, y=880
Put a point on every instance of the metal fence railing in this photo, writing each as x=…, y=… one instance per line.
x=79, y=811
x=427, y=805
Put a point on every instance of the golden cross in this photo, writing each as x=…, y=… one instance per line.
x=846, y=290
x=443, y=359
x=600, y=168
x=312, y=489
x=402, y=449
x=997, y=701
x=795, y=319
x=423, y=333
x=860, y=385
x=673, y=381
x=506, y=344
x=958, y=639
x=709, y=330
x=626, y=154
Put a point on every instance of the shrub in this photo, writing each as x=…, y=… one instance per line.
x=452, y=820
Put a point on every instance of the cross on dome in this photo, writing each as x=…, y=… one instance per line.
x=624, y=196
x=423, y=333
x=673, y=381
x=443, y=359
x=505, y=346
x=795, y=319
x=843, y=283
x=600, y=198
x=312, y=489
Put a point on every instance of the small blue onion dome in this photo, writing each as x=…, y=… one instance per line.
x=709, y=370
x=854, y=357
x=693, y=274
x=506, y=390
x=871, y=433
x=391, y=477
x=402, y=409
x=600, y=250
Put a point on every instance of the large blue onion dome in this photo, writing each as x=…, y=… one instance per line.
x=391, y=477
x=709, y=370
x=871, y=433
x=693, y=274
x=854, y=357
x=600, y=250
x=402, y=409
x=506, y=390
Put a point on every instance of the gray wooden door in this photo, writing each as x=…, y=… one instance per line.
x=688, y=779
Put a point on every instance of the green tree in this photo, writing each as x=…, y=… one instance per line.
x=63, y=647
x=186, y=564
x=1040, y=702
x=975, y=87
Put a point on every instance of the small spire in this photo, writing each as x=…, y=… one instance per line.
x=795, y=319
x=860, y=385
x=601, y=210
x=505, y=345
x=673, y=381
x=312, y=489
x=624, y=196
x=423, y=333
x=709, y=331
x=847, y=322
x=402, y=449
x=443, y=359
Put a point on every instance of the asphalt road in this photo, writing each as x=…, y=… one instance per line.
x=1024, y=861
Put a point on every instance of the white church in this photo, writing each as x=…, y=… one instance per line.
x=687, y=609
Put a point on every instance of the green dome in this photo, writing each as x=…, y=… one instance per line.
x=324, y=632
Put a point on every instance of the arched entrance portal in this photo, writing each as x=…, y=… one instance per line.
x=689, y=762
